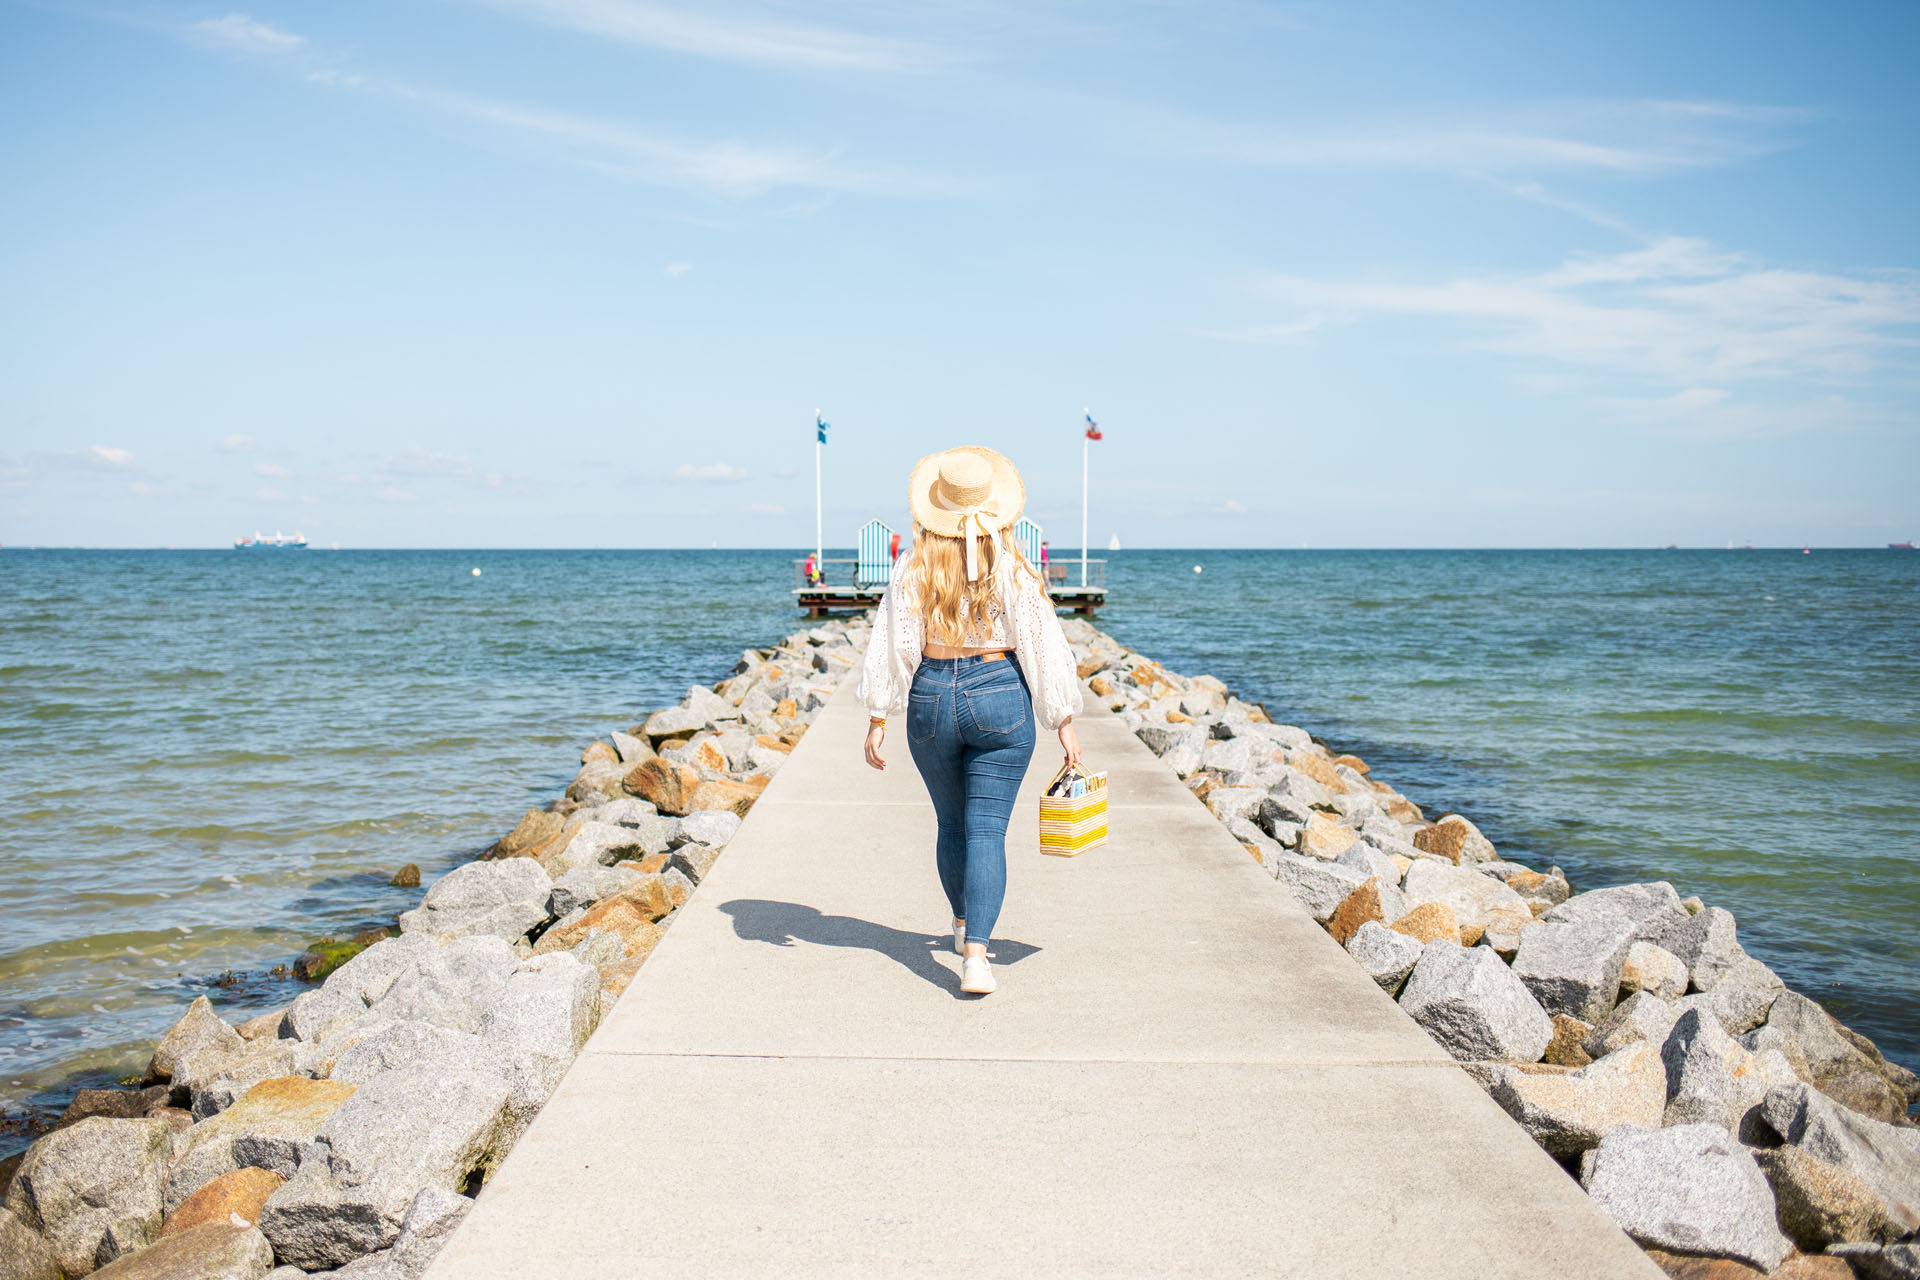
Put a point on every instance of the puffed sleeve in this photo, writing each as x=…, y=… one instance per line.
x=1045, y=657
x=893, y=654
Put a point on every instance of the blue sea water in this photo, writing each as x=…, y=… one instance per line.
x=209, y=758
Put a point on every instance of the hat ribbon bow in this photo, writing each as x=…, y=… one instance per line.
x=978, y=514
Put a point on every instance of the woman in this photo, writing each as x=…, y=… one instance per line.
x=967, y=645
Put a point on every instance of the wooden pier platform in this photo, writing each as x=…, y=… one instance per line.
x=848, y=585
x=818, y=602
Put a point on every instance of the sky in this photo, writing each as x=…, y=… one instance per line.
x=580, y=273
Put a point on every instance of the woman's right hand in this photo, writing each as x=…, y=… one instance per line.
x=876, y=734
x=1070, y=742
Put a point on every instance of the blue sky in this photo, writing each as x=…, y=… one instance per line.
x=579, y=272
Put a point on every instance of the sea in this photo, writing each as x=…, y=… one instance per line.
x=210, y=758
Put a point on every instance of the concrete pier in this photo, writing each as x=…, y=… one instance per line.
x=1181, y=1073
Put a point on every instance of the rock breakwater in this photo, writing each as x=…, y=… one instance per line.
x=345, y=1134
x=1729, y=1125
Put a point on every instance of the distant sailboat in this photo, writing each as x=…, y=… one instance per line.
x=1113, y=543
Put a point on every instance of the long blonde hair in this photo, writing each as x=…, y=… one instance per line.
x=938, y=568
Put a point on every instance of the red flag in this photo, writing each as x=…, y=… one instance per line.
x=1093, y=428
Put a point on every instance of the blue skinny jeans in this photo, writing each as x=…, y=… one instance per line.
x=970, y=727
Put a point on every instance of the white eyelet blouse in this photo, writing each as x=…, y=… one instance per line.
x=1027, y=625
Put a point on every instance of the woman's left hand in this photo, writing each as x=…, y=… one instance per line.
x=876, y=734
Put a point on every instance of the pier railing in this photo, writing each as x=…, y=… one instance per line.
x=835, y=573
x=845, y=574
x=1076, y=572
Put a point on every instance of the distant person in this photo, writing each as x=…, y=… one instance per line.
x=812, y=570
x=967, y=646
x=895, y=547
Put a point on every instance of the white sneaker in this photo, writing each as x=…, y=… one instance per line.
x=976, y=976
x=959, y=938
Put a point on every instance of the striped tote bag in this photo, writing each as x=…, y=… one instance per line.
x=1073, y=813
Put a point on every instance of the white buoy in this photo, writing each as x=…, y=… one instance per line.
x=476, y=573
x=1196, y=568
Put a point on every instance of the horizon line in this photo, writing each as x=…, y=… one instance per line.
x=801, y=551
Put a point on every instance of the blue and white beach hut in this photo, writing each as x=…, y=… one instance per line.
x=875, y=567
x=1026, y=536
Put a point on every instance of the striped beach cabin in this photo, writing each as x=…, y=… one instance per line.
x=874, y=567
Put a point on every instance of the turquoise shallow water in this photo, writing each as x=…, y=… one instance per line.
x=207, y=758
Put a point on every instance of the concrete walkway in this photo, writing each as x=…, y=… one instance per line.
x=1181, y=1073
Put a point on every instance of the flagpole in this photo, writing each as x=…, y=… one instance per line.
x=819, y=540
x=1086, y=452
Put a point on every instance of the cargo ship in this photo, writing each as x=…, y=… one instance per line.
x=279, y=541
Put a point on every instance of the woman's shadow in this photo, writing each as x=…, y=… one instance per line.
x=784, y=923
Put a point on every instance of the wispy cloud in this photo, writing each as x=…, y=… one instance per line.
x=1677, y=309
x=237, y=444
x=1624, y=138
x=269, y=495
x=617, y=149
x=1537, y=194
x=97, y=460
x=241, y=34
x=416, y=461
x=624, y=150
x=335, y=78
x=678, y=269
x=273, y=470
x=712, y=472
x=734, y=37
x=392, y=494
x=1456, y=150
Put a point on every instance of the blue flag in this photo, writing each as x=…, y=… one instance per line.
x=820, y=425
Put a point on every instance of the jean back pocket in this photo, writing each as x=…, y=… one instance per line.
x=923, y=716
x=998, y=708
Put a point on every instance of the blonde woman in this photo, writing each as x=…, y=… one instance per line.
x=967, y=647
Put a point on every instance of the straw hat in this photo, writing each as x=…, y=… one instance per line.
x=968, y=488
